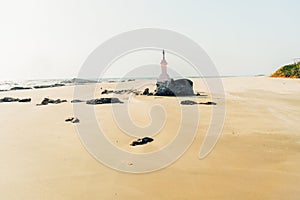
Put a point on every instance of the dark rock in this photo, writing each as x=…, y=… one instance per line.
x=150, y=94
x=104, y=92
x=209, y=103
x=142, y=141
x=72, y=119
x=107, y=91
x=146, y=91
x=76, y=101
x=198, y=94
x=25, y=100
x=47, y=101
x=188, y=102
x=180, y=87
x=9, y=99
x=69, y=119
x=20, y=88
x=76, y=120
x=48, y=86
x=103, y=101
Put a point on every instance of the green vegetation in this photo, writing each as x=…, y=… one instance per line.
x=288, y=71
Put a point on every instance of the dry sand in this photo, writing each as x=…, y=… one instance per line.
x=256, y=157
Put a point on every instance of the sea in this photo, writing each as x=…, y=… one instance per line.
x=10, y=84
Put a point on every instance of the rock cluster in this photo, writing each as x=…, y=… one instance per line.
x=103, y=101
x=11, y=99
x=189, y=102
x=48, y=86
x=46, y=101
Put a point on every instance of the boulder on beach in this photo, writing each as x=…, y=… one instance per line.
x=188, y=102
x=146, y=91
x=76, y=101
x=103, y=101
x=142, y=141
x=25, y=100
x=46, y=101
x=180, y=87
x=209, y=103
x=72, y=119
x=9, y=99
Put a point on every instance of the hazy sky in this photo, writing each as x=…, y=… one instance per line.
x=51, y=39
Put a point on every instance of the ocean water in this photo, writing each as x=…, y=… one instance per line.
x=8, y=84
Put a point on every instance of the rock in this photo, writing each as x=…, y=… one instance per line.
x=76, y=120
x=107, y=91
x=48, y=86
x=180, y=87
x=76, y=101
x=47, y=101
x=69, y=119
x=209, y=103
x=142, y=141
x=20, y=88
x=146, y=91
x=9, y=99
x=25, y=100
x=103, y=101
x=104, y=92
x=188, y=102
x=72, y=119
x=198, y=94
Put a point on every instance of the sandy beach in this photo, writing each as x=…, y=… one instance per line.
x=256, y=157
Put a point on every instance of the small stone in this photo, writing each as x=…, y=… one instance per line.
x=188, y=102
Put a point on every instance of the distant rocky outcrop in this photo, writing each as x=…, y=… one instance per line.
x=103, y=101
x=288, y=71
x=48, y=86
x=79, y=81
x=20, y=88
x=180, y=87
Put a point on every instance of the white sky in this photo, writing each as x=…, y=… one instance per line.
x=51, y=39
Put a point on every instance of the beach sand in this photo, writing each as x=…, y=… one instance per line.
x=256, y=157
